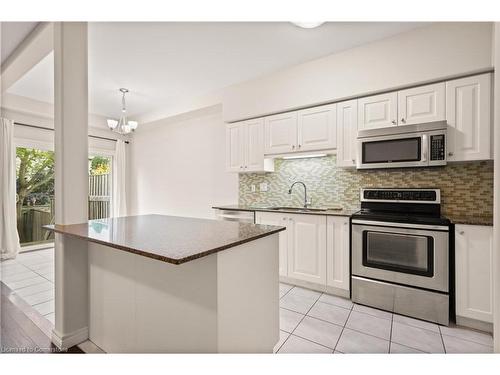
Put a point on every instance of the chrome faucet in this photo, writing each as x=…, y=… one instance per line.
x=306, y=202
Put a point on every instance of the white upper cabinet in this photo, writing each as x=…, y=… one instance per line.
x=468, y=112
x=474, y=272
x=422, y=104
x=307, y=248
x=317, y=128
x=337, y=253
x=281, y=133
x=347, y=131
x=245, y=147
x=235, y=142
x=411, y=106
x=254, y=150
x=281, y=220
x=379, y=111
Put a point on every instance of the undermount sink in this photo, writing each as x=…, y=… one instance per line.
x=304, y=209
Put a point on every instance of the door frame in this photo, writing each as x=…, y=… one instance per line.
x=496, y=204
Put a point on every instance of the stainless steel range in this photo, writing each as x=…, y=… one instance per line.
x=400, y=256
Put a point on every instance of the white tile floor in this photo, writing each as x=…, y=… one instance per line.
x=312, y=322
x=31, y=276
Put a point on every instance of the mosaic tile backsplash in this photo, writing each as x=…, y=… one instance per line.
x=466, y=188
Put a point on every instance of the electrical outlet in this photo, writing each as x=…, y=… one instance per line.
x=263, y=186
x=253, y=188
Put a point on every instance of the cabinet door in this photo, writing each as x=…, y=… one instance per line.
x=271, y=218
x=254, y=147
x=337, y=253
x=235, y=141
x=422, y=104
x=379, y=111
x=307, y=248
x=473, y=272
x=468, y=113
x=317, y=128
x=347, y=130
x=281, y=133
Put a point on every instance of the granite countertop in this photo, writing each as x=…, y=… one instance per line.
x=332, y=212
x=455, y=219
x=470, y=219
x=170, y=239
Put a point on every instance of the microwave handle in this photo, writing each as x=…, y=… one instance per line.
x=425, y=147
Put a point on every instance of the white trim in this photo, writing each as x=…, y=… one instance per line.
x=32, y=143
x=71, y=339
x=41, y=246
x=101, y=152
x=496, y=188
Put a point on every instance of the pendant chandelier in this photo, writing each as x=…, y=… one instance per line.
x=122, y=126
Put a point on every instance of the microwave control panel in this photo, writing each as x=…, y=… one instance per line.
x=438, y=147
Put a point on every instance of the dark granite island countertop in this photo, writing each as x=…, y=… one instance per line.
x=170, y=239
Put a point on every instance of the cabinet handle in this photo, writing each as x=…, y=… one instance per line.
x=284, y=218
x=353, y=161
x=393, y=122
x=290, y=219
x=461, y=232
x=293, y=147
x=241, y=167
x=403, y=120
x=450, y=153
x=300, y=146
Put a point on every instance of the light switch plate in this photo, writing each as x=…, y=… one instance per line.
x=263, y=186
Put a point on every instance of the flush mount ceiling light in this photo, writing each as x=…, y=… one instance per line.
x=122, y=126
x=308, y=25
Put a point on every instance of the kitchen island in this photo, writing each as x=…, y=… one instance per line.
x=165, y=284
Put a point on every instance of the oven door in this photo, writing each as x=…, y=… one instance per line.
x=393, y=151
x=407, y=254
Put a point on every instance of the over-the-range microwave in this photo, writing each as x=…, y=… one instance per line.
x=421, y=145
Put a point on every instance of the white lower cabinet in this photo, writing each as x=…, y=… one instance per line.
x=337, y=252
x=307, y=248
x=473, y=272
x=314, y=248
x=281, y=220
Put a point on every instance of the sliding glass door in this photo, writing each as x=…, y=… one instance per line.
x=99, y=187
x=35, y=195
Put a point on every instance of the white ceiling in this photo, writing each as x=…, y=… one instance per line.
x=166, y=63
x=13, y=33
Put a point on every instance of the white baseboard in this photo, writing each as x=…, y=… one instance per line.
x=475, y=324
x=317, y=287
x=70, y=339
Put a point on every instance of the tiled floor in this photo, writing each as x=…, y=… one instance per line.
x=312, y=322
x=31, y=276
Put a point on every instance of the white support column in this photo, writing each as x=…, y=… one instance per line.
x=71, y=181
x=496, y=190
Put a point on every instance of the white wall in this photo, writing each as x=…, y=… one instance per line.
x=178, y=166
x=439, y=51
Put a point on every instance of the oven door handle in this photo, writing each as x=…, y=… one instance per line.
x=401, y=225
